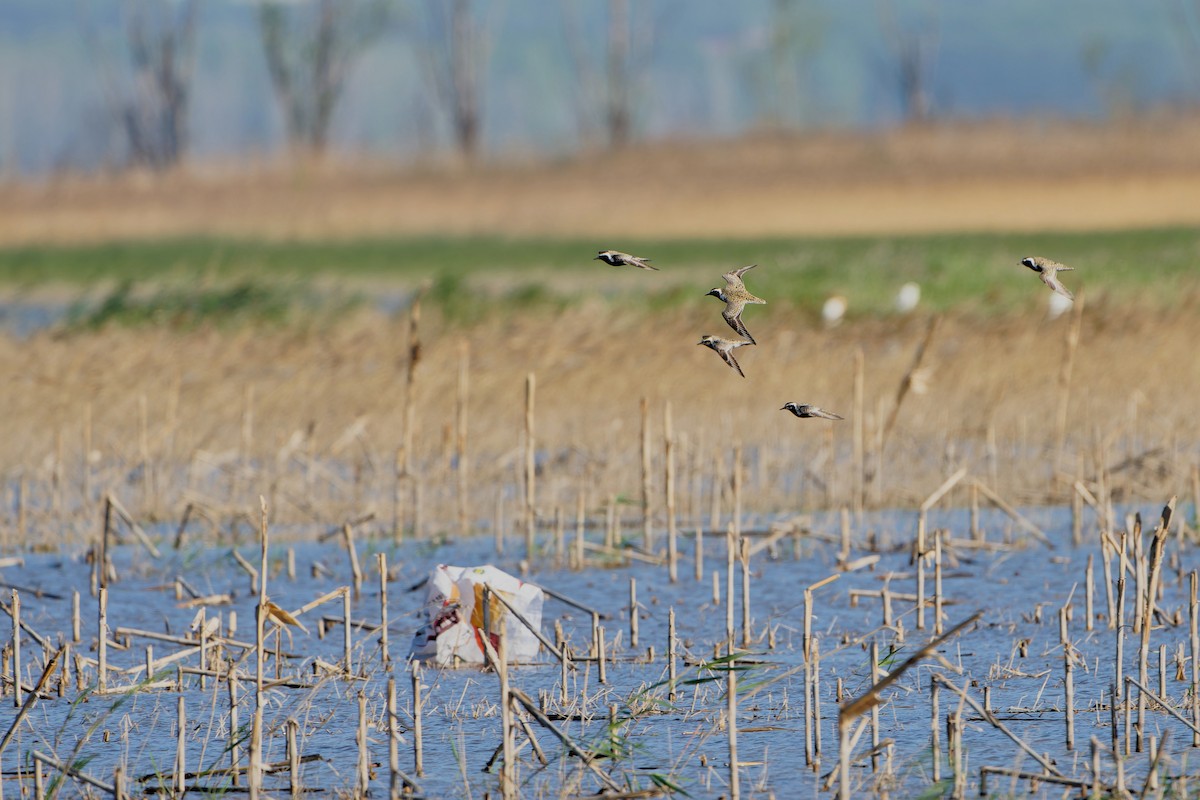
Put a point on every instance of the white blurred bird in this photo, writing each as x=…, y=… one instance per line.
x=833, y=310
x=907, y=298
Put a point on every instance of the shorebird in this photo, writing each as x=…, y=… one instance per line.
x=833, y=310
x=615, y=258
x=724, y=348
x=804, y=410
x=1046, y=269
x=907, y=298
x=735, y=297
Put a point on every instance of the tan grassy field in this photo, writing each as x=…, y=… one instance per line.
x=314, y=420
x=314, y=417
x=981, y=176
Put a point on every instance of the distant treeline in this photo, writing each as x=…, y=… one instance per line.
x=105, y=84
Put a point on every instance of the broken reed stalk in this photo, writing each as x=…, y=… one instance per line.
x=460, y=439
x=1068, y=677
x=16, y=647
x=937, y=582
x=669, y=491
x=347, y=633
x=254, y=778
x=381, y=560
x=671, y=669
x=1064, y=382
x=32, y=698
x=235, y=733
x=954, y=735
x=602, y=674
x=855, y=707
x=875, y=669
x=907, y=381
x=1090, y=596
x=393, y=729
x=362, y=772
x=935, y=741
x=1194, y=636
x=919, y=554
x=633, y=613
x=816, y=702
x=1156, y=556
x=498, y=658
x=355, y=569
x=1000, y=726
x=68, y=770
x=806, y=648
x=180, y=747
x=699, y=554
x=1166, y=706
x=647, y=532
x=530, y=471
x=102, y=641
x=731, y=722
x=747, y=632
x=293, y=755
x=583, y=755
x=418, y=723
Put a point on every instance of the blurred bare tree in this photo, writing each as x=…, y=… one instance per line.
x=913, y=44
x=159, y=39
x=618, y=108
x=796, y=30
x=310, y=47
x=455, y=48
x=608, y=102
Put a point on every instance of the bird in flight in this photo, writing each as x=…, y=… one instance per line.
x=804, y=410
x=1046, y=270
x=735, y=297
x=616, y=258
x=724, y=348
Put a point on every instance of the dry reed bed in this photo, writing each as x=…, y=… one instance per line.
x=317, y=420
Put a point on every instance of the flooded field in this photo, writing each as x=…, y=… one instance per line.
x=1046, y=585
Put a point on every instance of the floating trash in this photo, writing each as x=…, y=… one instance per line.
x=455, y=620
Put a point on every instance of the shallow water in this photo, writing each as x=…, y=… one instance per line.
x=686, y=742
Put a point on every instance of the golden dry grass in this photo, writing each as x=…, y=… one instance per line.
x=980, y=176
x=990, y=405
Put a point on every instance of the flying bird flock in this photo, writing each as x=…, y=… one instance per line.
x=736, y=297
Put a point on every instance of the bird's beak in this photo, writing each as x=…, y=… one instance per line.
x=595, y=258
x=783, y=408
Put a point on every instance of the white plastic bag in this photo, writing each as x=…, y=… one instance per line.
x=454, y=616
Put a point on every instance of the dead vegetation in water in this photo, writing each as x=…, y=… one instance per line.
x=205, y=419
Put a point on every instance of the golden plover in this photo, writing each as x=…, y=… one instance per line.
x=804, y=410
x=724, y=348
x=1046, y=269
x=735, y=297
x=615, y=258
